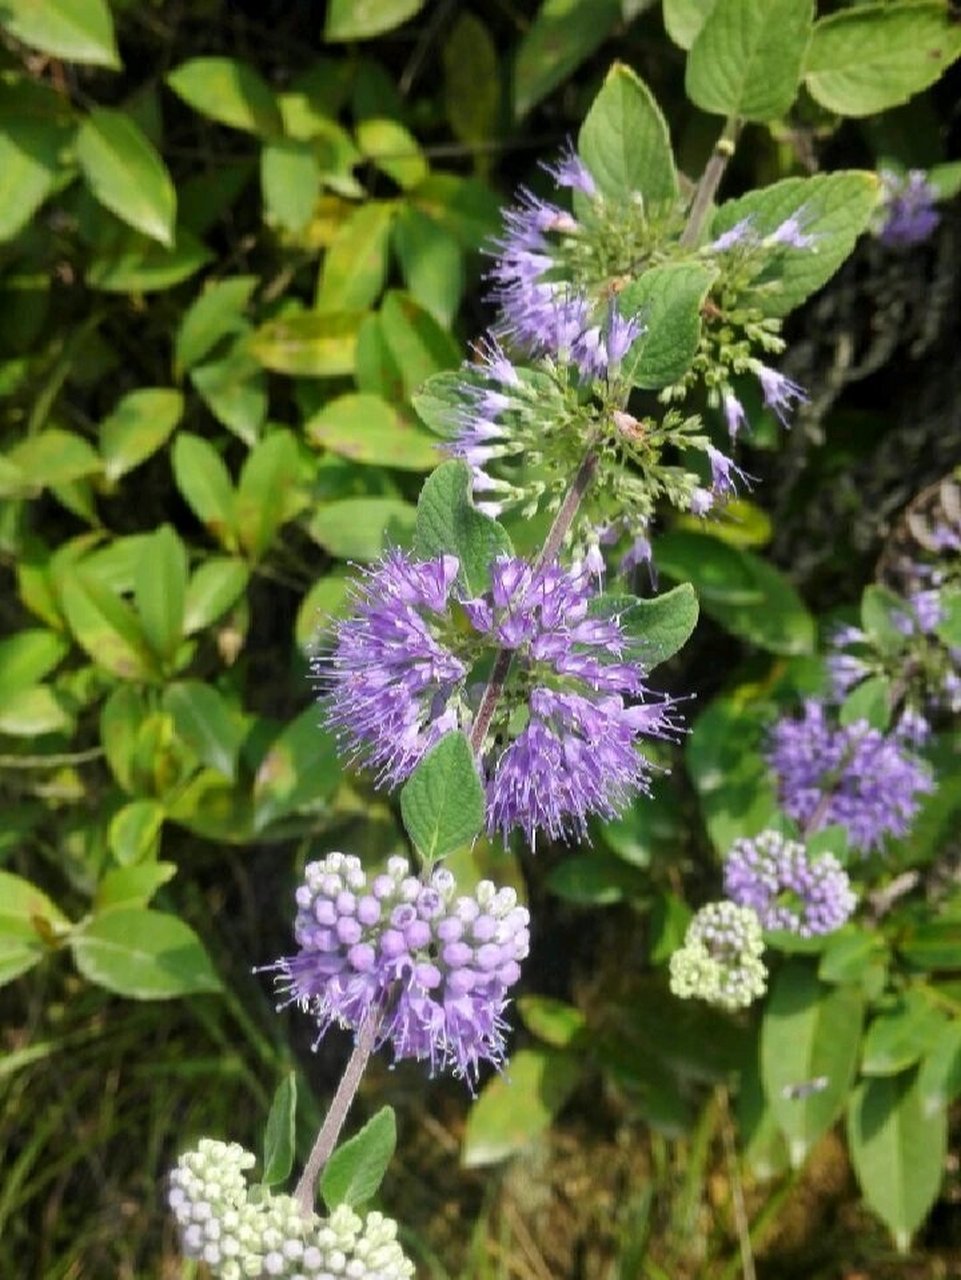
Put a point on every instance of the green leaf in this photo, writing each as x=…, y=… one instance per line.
x=746, y=59
x=204, y=482
x=299, y=771
x=417, y=343
x=899, y=1036
x=120, y=720
x=564, y=34
x=625, y=143
x=431, y=262
x=898, y=1147
x=215, y=314
x=290, y=180
x=28, y=924
x=269, y=473
x=440, y=401
x=311, y=344
x=881, y=612
x=809, y=1031
x=948, y=629
x=850, y=955
x=206, y=722
x=216, y=585
x=27, y=656
x=932, y=944
x=280, y=1133
x=78, y=30
x=54, y=457
x=939, y=1077
x=138, y=425
x=29, y=154
x=143, y=954
x=683, y=19
x=138, y=265
x=125, y=173
x=377, y=372
x=736, y=789
x=468, y=209
x=105, y=627
x=448, y=524
x=133, y=886
x=230, y=92
x=159, y=590
x=361, y=19
x=442, y=802
x=834, y=208
x=364, y=428
x=667, y=300
x=593, y=880
x=472, y=83
x=555, y=1022
x=355, y=1171
x=875, y=56
x=745, y=594
x=355, y=264
x=394, y=150
x=363, y=528
x=871, y=701
x=515, y=1108
x=33, y=711
x=329, y=598
x=134, y=832
x=234, y=389
x=657, y=628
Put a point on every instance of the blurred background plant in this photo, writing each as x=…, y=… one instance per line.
x=234, y=241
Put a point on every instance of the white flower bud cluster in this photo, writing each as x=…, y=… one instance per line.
x=240, y=1232
x=720, y=961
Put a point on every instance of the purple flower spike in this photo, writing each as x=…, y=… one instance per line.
x=571, y=171
x=742, y=233
x=723, y=472
x=786, y=887
x=868, y=782
x=436, y=967
x=734, y=414
x=780, y=393
x=401, y=675
x=790, y=233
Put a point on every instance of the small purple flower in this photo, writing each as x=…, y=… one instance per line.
x=723, y=472
x=788, y=888
x=702, y=500
x=734, y=414
x=436, y=968
x=401, y=675
x=742, y=233
x=780, y=393
x=571, y=171
x=853, y=775
x=908, y=204
x=790, y=232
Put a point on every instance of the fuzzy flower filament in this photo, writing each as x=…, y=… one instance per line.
x=565, y=738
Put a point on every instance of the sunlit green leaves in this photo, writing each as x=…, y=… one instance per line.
x=300, y=769
x=363, y=528
x=362, y=19
x=745, y=60
x=29, y=162
x=355, y=264
x=898, y=1145
x=125, y=173
x=625, y=143
x=142, y=954
x=355, y=1171
x=516, y=1107
x=809, y=1032
x=79, y=30
x=137, y=427
x=442, y=802
x=228, y=91
x=311, y=344
x=875, y=56
x=29, y=923
x=834, y=208
x=899, y=1036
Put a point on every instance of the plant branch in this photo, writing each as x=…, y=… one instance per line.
x=305, y=1193
x=709, y=182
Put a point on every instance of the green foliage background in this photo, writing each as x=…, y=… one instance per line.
x=235, y=239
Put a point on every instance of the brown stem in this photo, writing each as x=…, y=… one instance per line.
x=709, y=183
x=305, y=1192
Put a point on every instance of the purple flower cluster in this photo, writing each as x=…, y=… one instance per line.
x=908, y=205
x=786, y=887
x=868, y=782
x=436, y=968
x=565, y=739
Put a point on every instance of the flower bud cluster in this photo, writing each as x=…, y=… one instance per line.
x=907, y=215
x=243, y=1232
x=787, y=887
x=435, y=967
x=720, y=961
